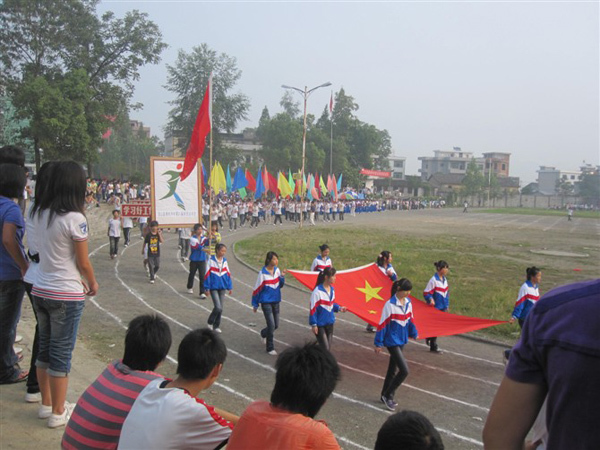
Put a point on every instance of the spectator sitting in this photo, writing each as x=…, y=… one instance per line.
x=167, y=413
x=288, y=421
x=98, y=417
x=408, y=430
x=557, y=357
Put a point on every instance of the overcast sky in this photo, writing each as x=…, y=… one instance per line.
x=515, y=77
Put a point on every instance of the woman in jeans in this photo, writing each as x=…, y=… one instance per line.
x=267, y=294
x=58, y=293
x=217, y=280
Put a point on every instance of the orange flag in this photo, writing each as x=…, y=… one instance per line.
x=364, y=290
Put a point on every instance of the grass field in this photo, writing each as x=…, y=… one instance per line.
x=541, y=212
x=484, y=277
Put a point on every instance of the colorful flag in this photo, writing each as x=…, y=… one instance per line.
x=272, y=183
x=217, y=179
x=291, y=179
x=243, y=193
x=322, y=186
x=265, y=178
x=334, y=186
x=283, y=186
x=364, y=290
x=251, y=181
x=260, y=186
x=201, y=129
x=239, y=181
x=339, y=183
x=228, y=179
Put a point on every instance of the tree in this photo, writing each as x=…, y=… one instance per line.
x=589, y=186
x=563, y=187
x=55, y=39
x=188, y=79
x=474, y=181
x=289, y=105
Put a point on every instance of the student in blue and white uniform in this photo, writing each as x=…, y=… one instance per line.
x=323, y=307
x=528, y=296
x=267, y=294
x=395, y=327
x=217, y=280
x=384, y=262
x=437, y=294
x=322, y=260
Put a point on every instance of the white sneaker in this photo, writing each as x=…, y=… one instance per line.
x=151, y=281
x=33, y=398
x=217, y=330
x=17, y=349
x=272, y=353
x=44, y=412
x=56, y=421
x=190, y=291
x=18, y=338
x=203, y=295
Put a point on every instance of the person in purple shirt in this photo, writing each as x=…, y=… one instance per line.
x=558, y=358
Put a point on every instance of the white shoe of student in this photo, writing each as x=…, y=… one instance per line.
x=190, y=291
x=34, y=397
x=44, y=412
x=217, y=330
x=272, y=353
x=56, y=420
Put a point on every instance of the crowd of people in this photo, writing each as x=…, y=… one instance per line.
x=132, y=406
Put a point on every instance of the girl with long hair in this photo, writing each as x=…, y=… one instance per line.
x=58, y=293
x=323, y=307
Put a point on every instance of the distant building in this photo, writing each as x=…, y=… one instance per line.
x=246, y=141
x=550, y=177
x=174, y=143
x=456, y=162
x=397, y=167
x=452, y=182
x=138, y=127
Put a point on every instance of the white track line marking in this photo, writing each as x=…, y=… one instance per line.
x=552, y=226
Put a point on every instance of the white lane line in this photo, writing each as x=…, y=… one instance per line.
x=97, y=250
x=528, y=224
x=554, y=223
x=501, y=224
x=351, y=368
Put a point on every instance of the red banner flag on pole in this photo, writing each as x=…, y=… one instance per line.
x=201, y=129
x=364, y=290
x=251, y=182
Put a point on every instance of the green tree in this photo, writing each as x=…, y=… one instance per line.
x=289, y=105
x=589, y=186
x=188, y=77
x=474, y=181
x=563, y=187
x=56, y=39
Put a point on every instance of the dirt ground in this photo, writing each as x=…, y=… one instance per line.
x=454, y=389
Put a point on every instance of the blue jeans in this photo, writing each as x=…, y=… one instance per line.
x=58, y=322
x=11, y=297
x=271, y=313
x=217, y=295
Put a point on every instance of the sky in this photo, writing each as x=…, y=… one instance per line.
x=514, y=77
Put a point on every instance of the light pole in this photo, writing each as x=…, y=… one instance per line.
x=305, y=93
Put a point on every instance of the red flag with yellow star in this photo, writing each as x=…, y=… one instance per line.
x=364, y=290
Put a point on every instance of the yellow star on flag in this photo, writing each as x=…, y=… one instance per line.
x=370, y=292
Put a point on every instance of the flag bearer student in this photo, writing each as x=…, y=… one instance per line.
x=323, y=307
x=395, y=327
x=322, y=260
x=169, y=414
x=198, y=256
x=217, y=281
x=436, y=294
x=98, y=417
x=267, y=293
x=152, y=241
x=384, y=262
x=114, y=233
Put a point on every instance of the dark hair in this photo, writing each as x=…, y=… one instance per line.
x=408, y=430
x=10, y=154
x=147, y=342
x=199, y=353
x=214, y=223
x=12, y=180
x=269, y=257
x=403, y=284
x=67, y=187
x=532, y=272
x=43, y=196
x=116, y=211
x=219, y=246
x=323, y=247
x=383, y=256
x=326, y=272
x=197, y=227
x=154, y=223
x=441, y=264
x=306, y=377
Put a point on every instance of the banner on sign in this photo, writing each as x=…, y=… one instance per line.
x=175, y=203
x=137, y=209
x=375, y=173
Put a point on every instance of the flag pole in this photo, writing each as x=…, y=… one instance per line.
x=210, y=140
x=331, y=136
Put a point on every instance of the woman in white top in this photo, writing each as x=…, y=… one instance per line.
x=58, y=293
